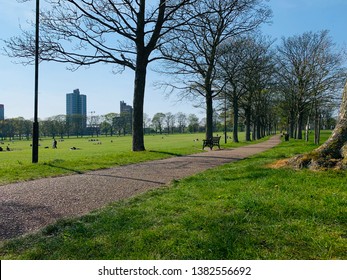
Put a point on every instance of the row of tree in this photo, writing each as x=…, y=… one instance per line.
x=260, y=88
x=109, y=125
x=296, y=84
x=209, y=48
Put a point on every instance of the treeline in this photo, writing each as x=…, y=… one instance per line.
x=255, y=86
x=109, y=125
x=112, y=124
x=294, y=86
x=209, y=48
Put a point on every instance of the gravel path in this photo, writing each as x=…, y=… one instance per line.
x=28, y=206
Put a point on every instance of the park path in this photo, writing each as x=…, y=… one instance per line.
x=26, y=207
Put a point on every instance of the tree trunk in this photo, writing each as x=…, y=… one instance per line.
x=209, y=116
x=307, y=129
x=139, y=95
x=291, y=126
x=257, y=127
x=248, y=124
x=333, y=153
x=236, y=119
x=335, y=146
x=299, y=126
x=316, y=126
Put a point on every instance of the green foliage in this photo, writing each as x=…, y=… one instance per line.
x=242, y=210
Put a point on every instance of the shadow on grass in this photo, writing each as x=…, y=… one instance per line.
x=50, y=164
x=166, y=153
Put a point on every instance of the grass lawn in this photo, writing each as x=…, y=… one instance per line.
x=242, y=210
x=91, y=155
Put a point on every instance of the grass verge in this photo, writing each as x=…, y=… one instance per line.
x=243, y=210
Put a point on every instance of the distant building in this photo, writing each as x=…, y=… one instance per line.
x=76, y=110
x=76, y=103
x=2, y=112
x=124, y=108
x=126, y=111
x=123, y=123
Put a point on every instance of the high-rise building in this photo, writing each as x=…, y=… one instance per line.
x=76, y=103
x=76, y=108
x=2, y=112
x=124, y=108
x=126, y=112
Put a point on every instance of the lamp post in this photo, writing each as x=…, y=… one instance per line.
x=35, y=145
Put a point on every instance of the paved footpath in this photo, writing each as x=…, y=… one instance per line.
x=28, y=206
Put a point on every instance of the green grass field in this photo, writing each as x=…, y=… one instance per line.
x=242, y=210
x=90, y=155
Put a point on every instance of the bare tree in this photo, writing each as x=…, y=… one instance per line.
x=245, y=66
x=310, y=71
x=123, y=33
x=194, y=47
x=230, y=65
x=333, y=153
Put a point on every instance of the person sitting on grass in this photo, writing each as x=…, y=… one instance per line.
x=54, y=145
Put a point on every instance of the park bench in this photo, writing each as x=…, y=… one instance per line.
x=214, y=141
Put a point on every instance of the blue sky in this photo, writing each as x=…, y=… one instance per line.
x=105, y=90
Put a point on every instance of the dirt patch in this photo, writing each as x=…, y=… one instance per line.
x=278, y=164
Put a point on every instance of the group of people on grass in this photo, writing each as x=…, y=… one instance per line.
x=7, y=149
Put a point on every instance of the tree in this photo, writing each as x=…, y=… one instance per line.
x=193, y=50
x=107, y=124
x=60, y=121
x=258, y=77
x=309, y=72
x=118, y=124
x=230, y=63
x=158, y=121
x=146, y=122
x=333, y=153
x=94, y=125
x=2, y=129
x=15, y=127
x=193, y=123
x=76, y=124
x=170, y=122
x=123, y=33
x=245, y=67
x=55, y=125
x=181, y=121
x=127, y=129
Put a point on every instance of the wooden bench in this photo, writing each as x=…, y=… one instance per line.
x=214, y=141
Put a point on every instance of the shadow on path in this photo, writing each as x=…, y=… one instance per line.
x=28, y=206
x=19, y=218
